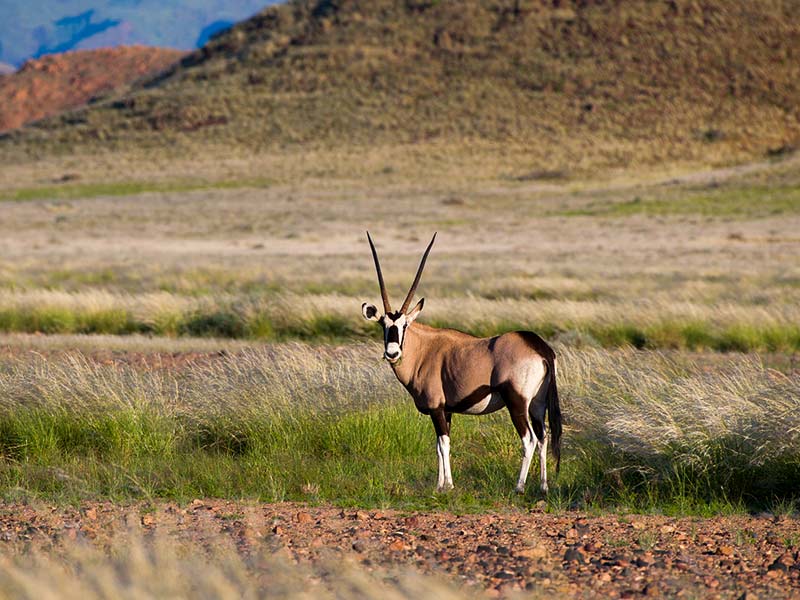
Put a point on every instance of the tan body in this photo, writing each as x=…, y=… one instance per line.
x=449, y=372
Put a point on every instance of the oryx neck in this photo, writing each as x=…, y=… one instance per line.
x=414, y=351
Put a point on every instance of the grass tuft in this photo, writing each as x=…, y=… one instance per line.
x=643, y=431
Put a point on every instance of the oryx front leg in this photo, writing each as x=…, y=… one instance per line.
x=441, y=423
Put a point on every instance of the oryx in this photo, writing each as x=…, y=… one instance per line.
x=448, y=371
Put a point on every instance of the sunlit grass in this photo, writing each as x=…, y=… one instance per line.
x=739, y=202
x=72, y=191
x=659, y=322
x=643, y=431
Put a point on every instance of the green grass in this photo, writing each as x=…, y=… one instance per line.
x=740, y=202
x=75, y=191
x=269, y=320
x=644, y=433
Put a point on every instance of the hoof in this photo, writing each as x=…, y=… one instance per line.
x=444, y=488
x=520, y=489
x=544, y=488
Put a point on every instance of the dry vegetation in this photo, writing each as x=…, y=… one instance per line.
x=705, y=264
x=559, y=90
x=161, y=567
x=644, y=431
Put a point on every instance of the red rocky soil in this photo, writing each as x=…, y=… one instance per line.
x=58, y=82
x=565, y=554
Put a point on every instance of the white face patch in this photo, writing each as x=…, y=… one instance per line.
x=394, y=329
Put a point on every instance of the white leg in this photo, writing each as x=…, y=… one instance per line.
x=528, y=446
x=440, y=482
x=443, y=451
x=543, y=463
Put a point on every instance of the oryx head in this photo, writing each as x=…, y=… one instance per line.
x=394, y=323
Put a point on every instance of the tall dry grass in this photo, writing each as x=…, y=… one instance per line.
x=135, y=568
x=644, y=429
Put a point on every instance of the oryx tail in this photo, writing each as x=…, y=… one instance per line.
x=553, y=411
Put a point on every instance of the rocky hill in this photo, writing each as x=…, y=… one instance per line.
x=54, y=83
x=590, y=82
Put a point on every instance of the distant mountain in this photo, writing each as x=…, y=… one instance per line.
x=54, y=83
x=32, y=29
x=574, y=84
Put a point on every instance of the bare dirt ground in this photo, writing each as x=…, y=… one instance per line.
x=568, y=553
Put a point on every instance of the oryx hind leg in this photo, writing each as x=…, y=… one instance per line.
x=518, y=409
x=536, y=412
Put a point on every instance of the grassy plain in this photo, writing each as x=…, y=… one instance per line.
x=640, y=282
x=656, y=263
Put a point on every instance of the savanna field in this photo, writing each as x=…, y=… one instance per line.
x=188, y=386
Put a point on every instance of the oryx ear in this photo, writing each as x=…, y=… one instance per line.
x=414, y=312
x=370, y=312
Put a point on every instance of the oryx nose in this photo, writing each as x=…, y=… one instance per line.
x=392, y=353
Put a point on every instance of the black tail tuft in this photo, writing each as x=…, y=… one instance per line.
x=553, y=411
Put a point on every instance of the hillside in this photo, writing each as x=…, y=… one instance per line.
x=55, y=83
x=585, y=84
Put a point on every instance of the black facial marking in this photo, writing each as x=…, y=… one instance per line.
x=393, y=335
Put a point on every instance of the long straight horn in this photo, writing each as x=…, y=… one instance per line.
x=419, y=274
x=386, y=306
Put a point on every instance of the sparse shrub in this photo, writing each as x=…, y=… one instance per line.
x=219, y=323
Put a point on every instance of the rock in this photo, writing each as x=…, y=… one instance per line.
x=704, y=539
x=537, y=552
x=783, y=563
x=594, y=546
x=725, y=550
x=361, y=515
x=303, y=517
x=411, y=522
x=574, y=555
x=397, y=546
x=650, y=590
x=359, y=546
